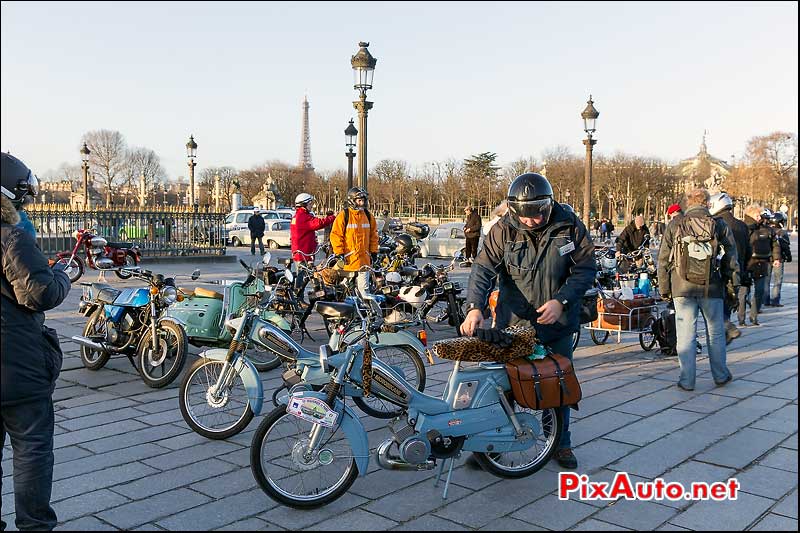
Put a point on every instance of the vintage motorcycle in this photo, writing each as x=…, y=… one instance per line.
x=132, y=322
x=221, y=392
x=300, y=458
x=99, y=255
x=203, y=312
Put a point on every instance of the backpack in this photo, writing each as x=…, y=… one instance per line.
x=696, y=249
x=786, y=249
x=665, y=333
x=761, y=239
x=347, y=217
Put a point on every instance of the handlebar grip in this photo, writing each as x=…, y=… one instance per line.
x=245, y=265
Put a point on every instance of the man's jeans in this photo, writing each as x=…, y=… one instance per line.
x=744, y=292
x=30, y=426
x=757, y=296
x=686, y=311
x=563, y=346
x=777, y=281
x=766, y=299
x=253, y=245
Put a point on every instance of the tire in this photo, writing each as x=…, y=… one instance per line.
x=648, y=340
x=76, y=267
x=272, y=245
x=408, y=357
x=576, y=338
x=552, y=423
x=438, y=317
x=130, y=261
x=93, y=359
x=235, y=242
x=263, y=360
x=296, y=431
x=216, y=423
x=170, y=361
x=599, y=337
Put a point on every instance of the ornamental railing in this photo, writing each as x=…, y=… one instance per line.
x=159, y=232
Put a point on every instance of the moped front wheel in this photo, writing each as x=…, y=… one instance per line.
x=212, y=413
x=526, y=462
x=409, y=363
x=96, y=328
x=291, y=476
x=160, y=368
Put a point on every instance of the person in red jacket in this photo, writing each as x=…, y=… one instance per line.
x=303, y=234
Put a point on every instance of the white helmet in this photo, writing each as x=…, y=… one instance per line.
x=415, y=295
x=719, y=203
x=393, y=277
x=303, y=199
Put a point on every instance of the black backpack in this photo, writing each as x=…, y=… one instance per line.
x=665, y=332
x=761, y=240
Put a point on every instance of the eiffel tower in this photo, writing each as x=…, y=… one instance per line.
x=305, y=141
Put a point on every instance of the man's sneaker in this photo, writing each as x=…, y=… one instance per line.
x=724, y=381
x=777, y=305
x=565, y=458
x=731, y=332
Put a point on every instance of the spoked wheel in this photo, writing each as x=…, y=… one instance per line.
x=74, y=268
x=211, y=412
x=159, y=369
x=576, y=338
x=130, y=261
x=544, y=436
x=95, y=329
x=288, y=473
x=599, y=337
x=648, y=339
x=403, y=359
x=262, y=359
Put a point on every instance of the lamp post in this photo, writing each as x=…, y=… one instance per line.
x=336, y=195
x=566, y=195
x=363, y=68
x=191, y=152
x=589, y=116
x=611, y=207
x=416, y=204
x=85, y=158
x=350, y=134
x=647, y=207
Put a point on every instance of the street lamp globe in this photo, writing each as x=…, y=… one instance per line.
x=589, y=116
x=350, y=135
x=191, y=148
x=85, y=153
x=363, y=67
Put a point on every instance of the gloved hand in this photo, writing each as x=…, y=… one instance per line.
x=667, y=297
x=495, y=336
x=373, y=256
x=329, y=213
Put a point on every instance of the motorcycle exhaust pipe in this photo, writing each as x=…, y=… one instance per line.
x=89, y=343
x=391, y=462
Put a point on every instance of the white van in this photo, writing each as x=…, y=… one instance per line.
x=237, y=220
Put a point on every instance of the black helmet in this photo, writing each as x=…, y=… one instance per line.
x=353, y=194
x=405, y=243
x=19, y=184
x=530, y=195
x=778, y=218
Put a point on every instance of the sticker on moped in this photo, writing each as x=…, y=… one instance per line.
x=312, y=410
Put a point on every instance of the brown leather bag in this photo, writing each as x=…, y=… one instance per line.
x=544, y=383
x=623, y=314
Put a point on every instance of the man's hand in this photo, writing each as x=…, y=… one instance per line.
x=776, y=264
x=550, y=312
x=473, y=321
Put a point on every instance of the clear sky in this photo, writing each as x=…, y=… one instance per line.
x=452, y=78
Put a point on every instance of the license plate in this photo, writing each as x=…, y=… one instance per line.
x=447, y=286
x=319, y=294
x=312, y=410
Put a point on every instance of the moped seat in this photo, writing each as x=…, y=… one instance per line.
x=200, y=292
x=474, y=350
x=335, y=309
x=121, y=244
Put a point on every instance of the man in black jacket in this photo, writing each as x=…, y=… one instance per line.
x=766, y=249
x=256, y=225
x=472, y=233
x=778, y=221
x=631, y=239
x=30, y=359
x=721, y=208
x=543, y=259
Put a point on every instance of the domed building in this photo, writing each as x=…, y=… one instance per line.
x=702, y=170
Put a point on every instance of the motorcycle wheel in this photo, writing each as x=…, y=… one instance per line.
x=130, y=261
x=599, y=337
x=524, y=463
x=278, y=465
x=406, y=359
x=648, y=340
x=159, y=370
x=213, y=418
x=74, y=269
x=95, y=327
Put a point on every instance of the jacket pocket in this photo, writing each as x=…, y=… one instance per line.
x=52, y=352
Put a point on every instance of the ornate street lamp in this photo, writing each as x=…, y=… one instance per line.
x=363, y=68
x=350, y=134
x=85, y=158
x=611, y=207
x=566, y=194
x=416, y=195
x=336, y=195
x=589, y=116
x=191, y=152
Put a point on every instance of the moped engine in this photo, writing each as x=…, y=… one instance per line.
x=413, y=451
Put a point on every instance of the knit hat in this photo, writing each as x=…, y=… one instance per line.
x=674, y=208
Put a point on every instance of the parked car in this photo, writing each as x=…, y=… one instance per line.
x=444, y=240
x=237, y=220
x=276, y=234
x=285, y=213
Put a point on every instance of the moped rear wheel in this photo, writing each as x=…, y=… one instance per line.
x=130, y=261
x=286, y=475
x=210, y=413
x=527, y=462
x=159, y=369
x=408, y=361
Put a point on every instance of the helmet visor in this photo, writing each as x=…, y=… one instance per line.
x=532, y=208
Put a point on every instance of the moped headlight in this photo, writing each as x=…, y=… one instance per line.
x=169, y=295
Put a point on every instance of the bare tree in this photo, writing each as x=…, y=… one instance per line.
x=108, y=154
x=142, y=162
x=227, y=175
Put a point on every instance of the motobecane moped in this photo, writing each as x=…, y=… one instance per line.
x=300, y=458
x=221, y=392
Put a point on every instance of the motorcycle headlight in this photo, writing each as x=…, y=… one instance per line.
x=169, y=295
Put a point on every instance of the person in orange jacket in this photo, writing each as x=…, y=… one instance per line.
x=355, y=232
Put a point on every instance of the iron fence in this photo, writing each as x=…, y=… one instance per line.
x=159, y=232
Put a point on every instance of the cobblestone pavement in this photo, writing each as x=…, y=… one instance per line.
x=125, y=459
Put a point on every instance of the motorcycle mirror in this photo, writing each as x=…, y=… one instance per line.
x=267, y=258
x=289, y=275
x=195, y=273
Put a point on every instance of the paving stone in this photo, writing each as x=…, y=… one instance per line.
x=653, y=403
x=787, y=507
x=784, y=420
x=175, y=478
x=471, y=477
x=654, y=427
x=781, y=458
x=598, y=453
x=430, y=523
x=706, y=403
x=99, y=419
x=541, y=512
x=219, y=513
x=166, y=417
x=672, y=527
x=591, y=427
x=93, y=398
x=95, y=433
x=775, y=522
x=636, y=514
x=182, y=441
x=87, y=504
x=596, y=525
x=790, y=443
x=151, y=509
x=767, y=482
x=102, y=378
x=70, y=391
x=365, y=521
x=741, y=448
x=416, y=500
x=87, y=523
x=510, y=524
x=223, y=485
x=290, y=518
x=250, y=524
x=382, y=482
x=728, y=515
x=740, y=388
x=148, y=434
x=785, y=389
x=773, y=374
x=108, y=477
x=606, y=476
x=105, y=460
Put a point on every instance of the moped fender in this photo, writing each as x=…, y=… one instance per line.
x=352, y=428
x=248, y=373
x=174, y=320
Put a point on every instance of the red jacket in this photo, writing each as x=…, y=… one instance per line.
x=304, y=224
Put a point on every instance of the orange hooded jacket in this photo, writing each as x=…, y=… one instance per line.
x=360, y=236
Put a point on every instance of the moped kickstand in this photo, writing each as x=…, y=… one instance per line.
x=449, y=474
